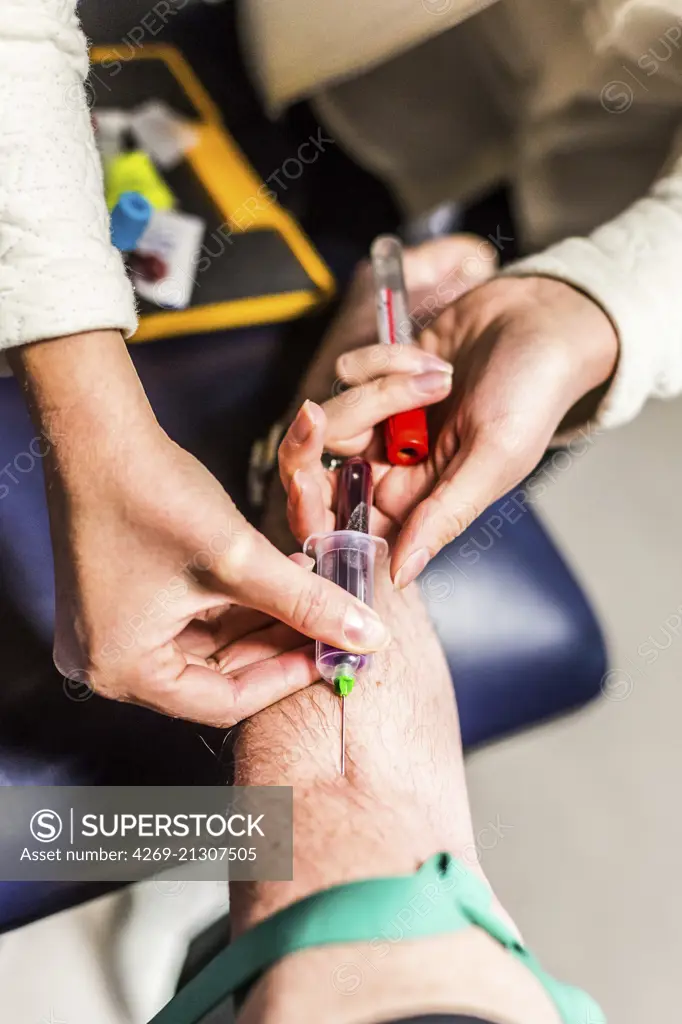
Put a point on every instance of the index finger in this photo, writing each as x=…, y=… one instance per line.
x=353, y=415
x=360, y=365
x=302, y=446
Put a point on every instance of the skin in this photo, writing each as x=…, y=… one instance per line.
x=151, y=555
x=403, y=798
x=159, y=578
x=525, y=356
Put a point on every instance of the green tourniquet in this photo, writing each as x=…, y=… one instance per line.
x=361, y=912
x=344, y=685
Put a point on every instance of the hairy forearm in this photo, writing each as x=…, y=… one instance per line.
x=402, y=799
x=403, y=796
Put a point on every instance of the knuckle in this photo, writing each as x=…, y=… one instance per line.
x=345, y=382
x=311, y=607
x=457, y=521
x=239, y=554
x=385, y=386
x=82, y=679
x=506, y=437
x=228, y=719
x=346, y=366
x=104, y=686
x=152, y=680
x=453, y=517
x=509, y=445
x=61, y=661
x=365, y=364
x=341, y=367
x=110, y=681
x=346, y=396
x=515, y=458
x=287, y=445
x=389, y=393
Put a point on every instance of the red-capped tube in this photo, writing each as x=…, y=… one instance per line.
x=406, y=433
x=407, y=438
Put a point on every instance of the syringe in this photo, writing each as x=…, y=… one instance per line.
x=346, y=556
x=406, y=433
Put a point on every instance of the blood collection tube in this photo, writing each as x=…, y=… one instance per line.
x=406, y=433
x=347, y=556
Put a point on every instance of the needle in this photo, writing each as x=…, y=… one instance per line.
x=343, y=685
x=343, y=735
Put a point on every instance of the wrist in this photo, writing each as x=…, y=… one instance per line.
x=86, y=400
x=591, y=336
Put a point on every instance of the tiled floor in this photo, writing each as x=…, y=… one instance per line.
x=589, y=860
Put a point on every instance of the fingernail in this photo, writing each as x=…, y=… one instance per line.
x=432, y=383
x=302, y=427
x=411, y=567
x=305, y=561
x=428, y=359
x=364, y=629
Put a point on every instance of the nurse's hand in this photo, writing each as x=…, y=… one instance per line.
x=166, y=596
x=527, y=355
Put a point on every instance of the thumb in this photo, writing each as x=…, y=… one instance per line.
x=272, y=583
x=474, y=479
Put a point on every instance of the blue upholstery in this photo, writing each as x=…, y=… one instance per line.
x=25, y=552
x=521, y=639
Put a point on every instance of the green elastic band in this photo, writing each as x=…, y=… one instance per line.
x=359, y=912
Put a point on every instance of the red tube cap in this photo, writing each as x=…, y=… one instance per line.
x=407, y=438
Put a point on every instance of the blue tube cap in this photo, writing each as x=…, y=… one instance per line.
x=129, y=218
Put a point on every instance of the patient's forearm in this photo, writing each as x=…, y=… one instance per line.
x=402, y=799
x=403, y=796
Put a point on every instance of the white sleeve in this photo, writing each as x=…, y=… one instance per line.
x=632, y=267
x=59, y=273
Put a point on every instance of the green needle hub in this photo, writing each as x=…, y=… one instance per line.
x=343, y=684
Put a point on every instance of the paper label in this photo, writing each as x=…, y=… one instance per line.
x=175, y=239
x=110, y=124
x=161, y=133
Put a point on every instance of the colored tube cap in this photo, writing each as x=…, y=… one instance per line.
x=407, y=438
x=135, y=172
x=129, y=219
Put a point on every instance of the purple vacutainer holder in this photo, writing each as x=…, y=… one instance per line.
x=347, y=558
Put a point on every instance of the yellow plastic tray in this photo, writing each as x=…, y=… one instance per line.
x=232, y=185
